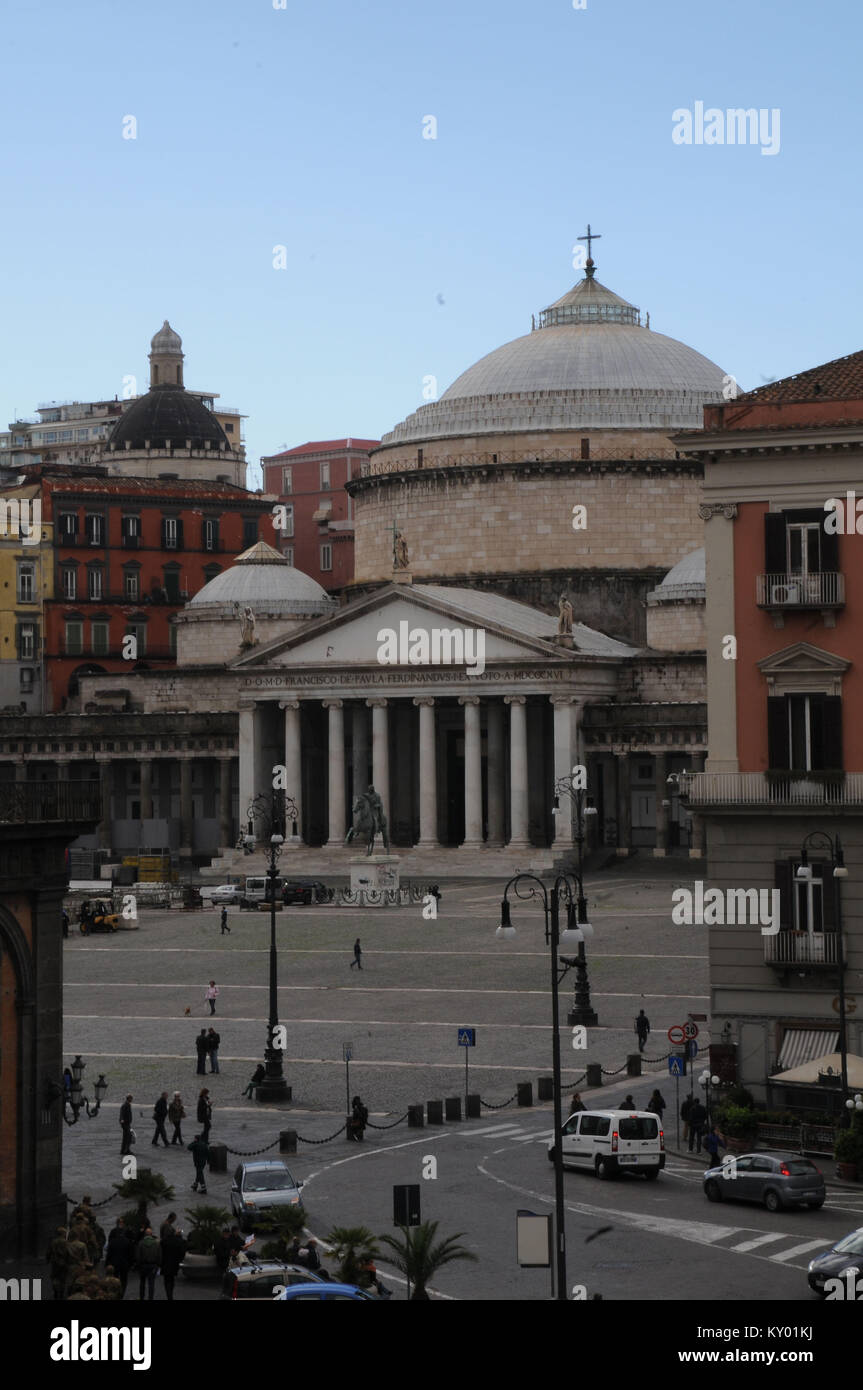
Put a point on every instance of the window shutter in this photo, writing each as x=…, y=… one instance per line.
x=777, y=733
x=832, y=731
x=774, y=543
x=828, y=891
x=783, y=879
x=179, y=533
x=829, y=553
x=164, y=533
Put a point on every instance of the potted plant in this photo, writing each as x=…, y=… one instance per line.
x=738, y=1125
x=353, y=1247
x=419, y=1258
x=848, y=1154
x=206, y=1223
x=282, y=1224
x=148, y=1189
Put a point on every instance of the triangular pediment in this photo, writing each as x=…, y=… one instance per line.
x=803, y=658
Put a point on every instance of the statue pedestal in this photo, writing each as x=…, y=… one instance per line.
x=402, y=577
x=564, y=639
x=375, y=873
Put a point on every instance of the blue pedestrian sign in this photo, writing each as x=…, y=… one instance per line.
x=691, y=1049
x=675, y=1066
x=467, y=1037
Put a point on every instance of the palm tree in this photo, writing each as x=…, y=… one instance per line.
x=207, y=1222
x=352, y=1246
x=284, y=1223
x=419, y=1258
x=148, y=1189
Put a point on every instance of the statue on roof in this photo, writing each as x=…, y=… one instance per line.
x=564, y=618
x=247, y=629
x=400, y=552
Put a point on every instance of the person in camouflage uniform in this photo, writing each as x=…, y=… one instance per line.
x=58, y=1258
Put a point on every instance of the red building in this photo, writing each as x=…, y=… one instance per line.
x=309, y=482
x=128, y=553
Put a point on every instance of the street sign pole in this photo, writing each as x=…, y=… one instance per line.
x=677, y=1107
x=466, y=1083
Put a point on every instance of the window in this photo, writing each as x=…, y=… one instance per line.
x=325, y=475
x=139, y=632
x=26, y=582
x=99, y=638
x=95, y=526
x=94, y=583
x=795, y=543
x=210, y=533
x=288, y=553
x=81, y=434
x=131, y=532
x=250, y=530
x=69, y=528
x=25, y=680
x=131, y=584
x=70, y=582
x=228, y=427
x=326, y=557
x=64, y=436
x=804, y=732
x=27, y=642
x=172, y=585
x=638, y=1127
x=805, y=905
x=595, y=1124
x=172, y=533
x=288, y=529
x=287, y=479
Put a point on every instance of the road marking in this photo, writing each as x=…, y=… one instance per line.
x=372, y=1022
x=760, y=1240
x=322, y=1061
x=408, y=989
x=328, y=951
x=799, y=1250
x=493, y=1129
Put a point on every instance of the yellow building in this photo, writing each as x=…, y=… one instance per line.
x=26, y=581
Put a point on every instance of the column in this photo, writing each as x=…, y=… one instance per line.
x=293, y=762
x=518, y=838
x=428, y=775
x=361, y=748
x=146, y=789
x=185, y=804
x=472, y=772
x=336, y=759
x=624, y=802
x=226, y=837
x=662, y=794
x=698, y=848
x=20, y=770
x=381, y=751
x=495, y=773
x=106, y=787
x=564, y=761
x=248, y=771
x=62, y=765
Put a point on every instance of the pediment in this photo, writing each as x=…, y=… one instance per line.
x=802, y=657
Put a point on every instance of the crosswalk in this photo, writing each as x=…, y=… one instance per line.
x=517, y=1133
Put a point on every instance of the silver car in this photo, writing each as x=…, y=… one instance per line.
x=259, y=1188
x=790, y=1181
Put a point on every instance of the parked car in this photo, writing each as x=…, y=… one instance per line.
x=843, y=1258
x=98, y=916
x=260, y=1186
x=332, y=1292
x=257, y=892
x=305, y=891
x=224, y=893
x=611, y=1141
x=789, y=1181
x=260, y=1278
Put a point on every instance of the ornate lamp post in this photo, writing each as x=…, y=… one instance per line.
x=804, y=875
x=273, y=809
x=533, y=888
x=582, y=1010
x=74, y=1099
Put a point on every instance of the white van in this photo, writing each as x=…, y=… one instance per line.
x=609, y=1141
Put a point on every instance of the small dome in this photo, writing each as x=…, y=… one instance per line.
x=263, y=577
x=687, y=580
x=168, y=416
x=166, y=340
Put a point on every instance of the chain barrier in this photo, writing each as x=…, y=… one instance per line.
x=605, y=1071
x=250, y=1153
x=399, y=1121
x=659, y=1059
x=488, y=1105
x=340, y=1130
x=582, y=1078
x=73, y=1203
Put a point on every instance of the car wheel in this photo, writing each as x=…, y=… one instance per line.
x=552, y=1155
x=603, y=1169
x=651, y=1174
x=713, y=1191
x=771, y=1200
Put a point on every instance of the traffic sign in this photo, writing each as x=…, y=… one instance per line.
x=676, y=1034
x=675, y=1066
x=467, y=1037
x=690, y=1030
x=691, y=1049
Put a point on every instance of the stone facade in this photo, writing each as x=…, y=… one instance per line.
x=676, y=627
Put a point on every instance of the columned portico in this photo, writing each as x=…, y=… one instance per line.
x=380, y=749
x=518, y=772
x=427, y=774
x=496, y=774
x=472, y=772
x=336, y=777
x=293, y=761
x=565, y=756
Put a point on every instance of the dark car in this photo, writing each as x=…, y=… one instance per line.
x=845, y=1258
x=791, y=1181
x=305, y=891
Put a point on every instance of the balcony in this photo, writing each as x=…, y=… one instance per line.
x=779, y=593
x=789, y=948
x=771, y=789
x=23, y=803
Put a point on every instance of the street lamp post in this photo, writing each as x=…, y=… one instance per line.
x=273, y=810
x=534, y=887
x=804, y=875
x=75, y=1100
x=582, y=1010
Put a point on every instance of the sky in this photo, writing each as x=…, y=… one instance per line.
x=406, y=257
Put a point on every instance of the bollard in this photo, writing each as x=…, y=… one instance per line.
x=287, y=1141
x=434, y=1112
x=594, y=1075
x=525, y=1093
x=473, y=1110
x=218, y=1159
x=545, y=1088
x=452, y=1108
x=415, y=1117
x=633, y=1064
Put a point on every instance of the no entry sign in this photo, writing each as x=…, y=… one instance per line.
x=676, y=1034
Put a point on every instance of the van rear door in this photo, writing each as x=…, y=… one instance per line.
x=637, y=1140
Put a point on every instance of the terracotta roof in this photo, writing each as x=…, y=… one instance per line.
x=839, y=380
x=324, y=446
x=137, y=487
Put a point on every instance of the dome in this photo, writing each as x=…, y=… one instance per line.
x=166, y=340
x=263, y=577
x=687, y=580
x=168, y=416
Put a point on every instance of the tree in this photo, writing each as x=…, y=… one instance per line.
x=352, y=1246
x=284, y=1223
x=419, y=1258
x=208, y=1221
x=148, y=1189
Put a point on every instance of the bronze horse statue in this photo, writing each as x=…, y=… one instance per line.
x=369, y=819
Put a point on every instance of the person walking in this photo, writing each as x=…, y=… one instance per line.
x=685, y=1111
x=169, y=1224
x=148, y=1253
x=202, y=1047
x=697, y=1121
x=713, y=1142
x=224, y=920
x=126, y=1122
x=656, y=1104
x=576, y=1104
x=628, y=1103
x=256, y=1078
x=358, y=952
x=642, y=1029
x=213, y=1040
x=176, y=1114
x=205, y=1114
x=120, y=1252
x=58, y=1258
x=211, y=994
x=172, y=1248
x=359, y=1118
x=160, y=1114
x=200, y=1151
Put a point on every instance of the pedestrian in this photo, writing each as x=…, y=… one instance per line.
x=176, y=1114
x=213, y=1040
x=224, y=919
x=172, y=1248
x=358, y=951
x=222, y=1250
x=369, y=1273
x=309, y=1257
x=120, y=1252
x=148, y=1253
x=697, y=1121
x=58, y=1258
x=292, y=1254
x=576, y=1104
x=200, y=1150
x=205, y=1113
x=685, y=1110
x=211, y=994
x=126, y=1122
x=359, y=1118
x=65, y=922
x=67, y=1083
x=257, y=1077
x=435, y=893
x=236, y=1242
x=628, y=1103
x=160, y=1114
x=656, y=1104
x=168, y=1225
x=642, y=1028
x=202, y=1047
x=713, y=1142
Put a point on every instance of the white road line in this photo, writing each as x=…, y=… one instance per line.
x=798, y=1250
x=492, y=1129
x=760, y=1240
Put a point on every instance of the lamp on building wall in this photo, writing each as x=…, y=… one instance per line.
x=803, y=874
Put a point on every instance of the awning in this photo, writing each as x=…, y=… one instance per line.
x=323, y=512
x=800, y=1045
x=808, y=1074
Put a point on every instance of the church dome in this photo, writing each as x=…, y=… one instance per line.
x=168, y=416
x=166, y=340
x=261, y=577
x=686, y=580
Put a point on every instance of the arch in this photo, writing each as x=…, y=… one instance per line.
x=89, y=669
x=13, y=943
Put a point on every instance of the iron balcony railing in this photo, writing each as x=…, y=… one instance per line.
x=24, y=803
x=802, y=948
x=772, y=788
x=800, y=590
